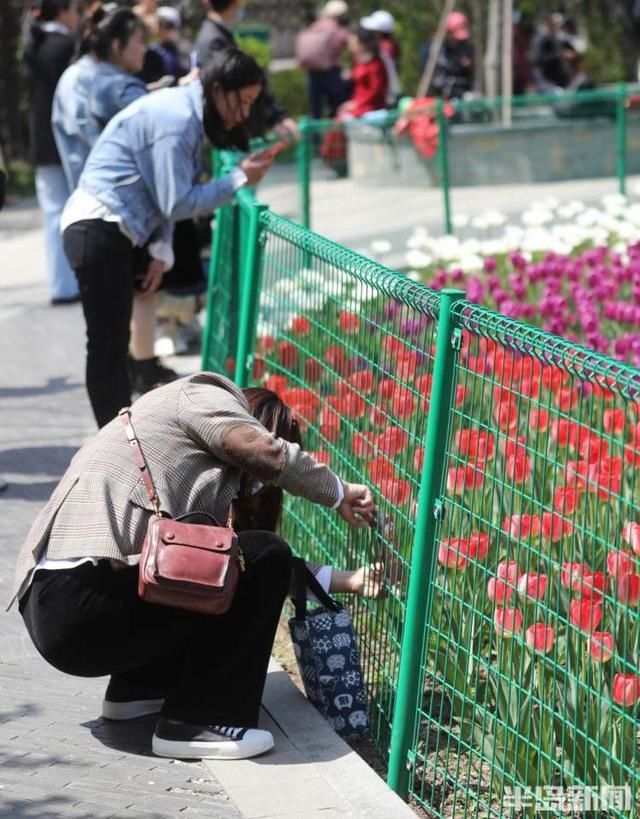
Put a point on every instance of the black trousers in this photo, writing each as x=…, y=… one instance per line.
x=104, y=262
x=89, y=621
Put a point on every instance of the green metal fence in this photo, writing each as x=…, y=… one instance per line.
x=548, y=139
x=502, y=667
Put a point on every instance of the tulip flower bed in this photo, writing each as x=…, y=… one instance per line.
x=579, y=279
x=531, y=675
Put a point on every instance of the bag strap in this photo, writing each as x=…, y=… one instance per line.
x=305, y=579
x=140, y=460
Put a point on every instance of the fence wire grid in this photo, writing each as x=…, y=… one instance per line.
x=513, y=587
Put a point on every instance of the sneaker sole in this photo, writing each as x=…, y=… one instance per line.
x=225, y=749
x=130, y=710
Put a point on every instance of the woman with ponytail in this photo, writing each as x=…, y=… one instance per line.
x=47, y=54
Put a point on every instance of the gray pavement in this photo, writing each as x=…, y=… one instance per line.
x=58, y=758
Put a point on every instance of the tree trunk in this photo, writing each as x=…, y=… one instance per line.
x=491, y=58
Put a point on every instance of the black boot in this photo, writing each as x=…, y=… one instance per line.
x=147, y=373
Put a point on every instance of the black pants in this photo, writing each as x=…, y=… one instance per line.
x=326, y=87
x=104, y=261
x=89, y=621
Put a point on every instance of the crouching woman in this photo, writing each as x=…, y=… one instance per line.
x=76, y=578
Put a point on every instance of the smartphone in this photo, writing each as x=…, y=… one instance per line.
x=273, y=150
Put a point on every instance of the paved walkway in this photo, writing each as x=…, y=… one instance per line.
x=58, y=758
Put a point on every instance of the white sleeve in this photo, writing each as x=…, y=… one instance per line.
x=340, y=494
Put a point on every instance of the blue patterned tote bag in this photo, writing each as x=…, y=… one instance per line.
x=325, y=645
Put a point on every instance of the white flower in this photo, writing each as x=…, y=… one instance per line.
x=418, y=258
x=536, y=217
x=494, y=218
x=366, y=292
x=414, y=276
x=479, y=223
x=446, y=248
x=460, y=220
x=311, y=277
x=471, y=263
x=380, y=246
x=265, y=328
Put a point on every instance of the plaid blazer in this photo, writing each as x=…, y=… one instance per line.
x=198, y=439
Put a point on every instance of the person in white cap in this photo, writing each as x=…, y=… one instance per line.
x=174, y=63
x=382, y=23
x=319, y=50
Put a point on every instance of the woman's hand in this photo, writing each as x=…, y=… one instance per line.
x=255, y=167
x=288, y=130
x=357, y=506
x=153, y=279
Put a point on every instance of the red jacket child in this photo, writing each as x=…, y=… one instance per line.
x=370, y=83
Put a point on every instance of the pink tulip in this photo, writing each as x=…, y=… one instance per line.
x=509, y=570
x=533, y=585
x=499, y=591
x=601, y=646
x=507, y=622
x=540, y=637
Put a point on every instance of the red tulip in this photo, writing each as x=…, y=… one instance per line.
x=514, y=447
x=300, y=325
x=593, y=585
x=566, y=499
x=230, y=365
x=392, y=441
x=499, y=591
x=521, y=526
x=423, y=385
x=631, y=535
x=395, y=491
x=312, y=370
x=403, y=402
x=266, y=343
x=259, y=368
x=572, y=574
x=533, y=585
x=510, y=571
x=469, y=476
x=565, y=432
x=320, y=456
x=592, y=448
x=418, y=459
x=330, y=424
x=554, y=528
x=505, y=414
x=461, y=396
x=601, y=646
x=567, y=398
x=620, y=563
x=377, y=418
x=277, y=384
x=478, y=545
x=406, y=365
x=288, y=354
x=626, y=689
x=451, y=555
x=349, y=322
x=475, y=444
x=386, y=388
x=539, y=420
x=585, y=614
x=362, y=381
x=507, y=622
x=605, y=477
x=337, y=360
x=363, y=444
x=628, y=589
x=518, y=469
x=613, y=421
x=381, y=469
x=540, y=637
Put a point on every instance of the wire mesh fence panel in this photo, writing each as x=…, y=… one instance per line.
x=531, y=678
x=348, y=345
x=220, y=334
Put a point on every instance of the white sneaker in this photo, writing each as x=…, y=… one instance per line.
x=183, y=740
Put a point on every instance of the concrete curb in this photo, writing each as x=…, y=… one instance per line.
x=334, y=782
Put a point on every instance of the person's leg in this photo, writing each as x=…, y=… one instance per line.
x=315, y=94
x=336, y=91
x=228, y=655
x=103, y=261
x=52, y=193
x=143, y=328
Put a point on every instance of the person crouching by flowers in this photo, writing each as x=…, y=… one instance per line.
x=77, y=575
x=259, y=507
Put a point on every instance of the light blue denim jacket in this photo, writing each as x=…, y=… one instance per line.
x=89, y=93
x=144, y=165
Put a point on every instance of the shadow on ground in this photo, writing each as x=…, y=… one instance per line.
x=52, y=387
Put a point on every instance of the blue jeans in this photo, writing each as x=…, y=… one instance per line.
x=52, y=192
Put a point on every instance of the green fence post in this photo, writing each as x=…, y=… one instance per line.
x=250, y=295
x=443, y=162
x=420, y=592
x=621, y=138
x=303, y=161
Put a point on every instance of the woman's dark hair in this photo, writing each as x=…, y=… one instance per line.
x=107, y=29
x=264, y=509
x=231, y=70
x=369, y=40
x=50, y=9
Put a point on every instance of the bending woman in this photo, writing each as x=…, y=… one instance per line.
x=204, y=673
x=138, y=181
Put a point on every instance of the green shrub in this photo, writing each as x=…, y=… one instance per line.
x=257, y=48
x=289, y=87
x=20, y=180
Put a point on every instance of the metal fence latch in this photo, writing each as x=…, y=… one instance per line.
x=438, y=509
x=456, y=339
